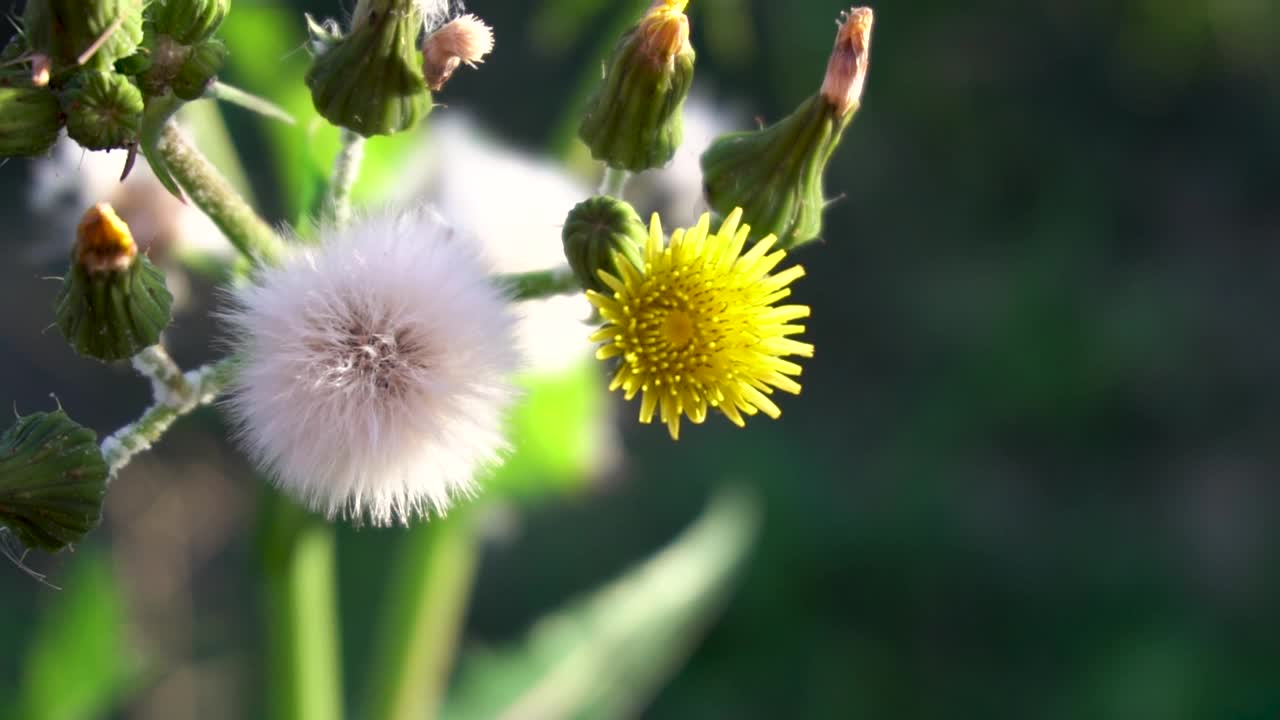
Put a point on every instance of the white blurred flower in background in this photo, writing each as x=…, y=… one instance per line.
x=515, y=205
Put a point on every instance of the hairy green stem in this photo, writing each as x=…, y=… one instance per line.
x=540, y=283
x=614, y=181
x=206, y=187
x=177, y=395
x=424, y=619
x=346, y=170
x=304, y=680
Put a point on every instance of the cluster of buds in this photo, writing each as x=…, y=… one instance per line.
x=91, y=65
x=371, y=79
x=180, y=54
x=775, y=173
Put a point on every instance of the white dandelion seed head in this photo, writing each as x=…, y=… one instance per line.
x=376, y=369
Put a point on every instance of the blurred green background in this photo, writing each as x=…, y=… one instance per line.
x=1033, y=471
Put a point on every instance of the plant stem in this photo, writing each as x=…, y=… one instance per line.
x=168, y=385
x=304, y=680
x=346, y=169
x=435, y=573
x=176, y=395
x=614, y=181
x=540, y=283
x=206, y=187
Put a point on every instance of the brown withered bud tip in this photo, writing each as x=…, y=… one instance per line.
x=40, y=66
x=664, y=31
x=103, y=241
x=847, y=69
x=466, y=39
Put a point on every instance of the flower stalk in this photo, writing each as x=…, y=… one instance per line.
x=540, y=283
x=206, y=187
x=174, y=399
x=614, y=181
x=346, y=170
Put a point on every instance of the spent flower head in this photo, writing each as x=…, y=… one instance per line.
x=699, y=326
x=466, y=39
x=850, y=58
x=375, y=369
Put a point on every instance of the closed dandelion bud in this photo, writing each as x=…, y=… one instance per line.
x=89, y=34
x=104, y=110
x=370, y=81
x=113, y=301
x=52, y=480
x=599, y=233
x=187, y=21
x=198, y=71
x=633, y=121
x=29, y=120
x=775, y=174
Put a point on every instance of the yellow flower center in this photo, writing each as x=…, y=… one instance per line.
x=679, y=328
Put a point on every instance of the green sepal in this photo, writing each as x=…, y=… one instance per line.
x=775, y=174
x=113, y=315
x=201, y=66
x=29, y=120
x=370, y=81
x=187, y=21
x=136, y=64
x=600, y=232
x=634, y=119
x=103, y=109
x=52, y=480
x=65, y=29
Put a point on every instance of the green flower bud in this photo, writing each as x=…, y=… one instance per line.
x=198, y=71
x=633, y=120
x=104, y=110
x=775, y=174
x=29, y=120
x=92, y=34
x=187, y=21
x=600, y=232
x=370, y=81
x=52, y=480
x=113, y=301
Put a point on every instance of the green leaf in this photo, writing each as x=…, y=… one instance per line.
x=79, y=662
x=604, y=656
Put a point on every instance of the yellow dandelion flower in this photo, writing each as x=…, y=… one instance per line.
x=699, y=325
